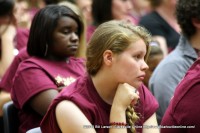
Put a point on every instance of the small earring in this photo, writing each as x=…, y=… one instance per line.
x=46, y=50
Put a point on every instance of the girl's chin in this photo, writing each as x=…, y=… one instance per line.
x=137, y=85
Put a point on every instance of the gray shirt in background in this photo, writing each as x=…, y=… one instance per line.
x=169, y=73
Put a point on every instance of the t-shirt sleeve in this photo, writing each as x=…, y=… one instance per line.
x=22, y=38
x=150, y=105
x=49, y=123
x=28, y=82
x=7, y=79
x=189, y=102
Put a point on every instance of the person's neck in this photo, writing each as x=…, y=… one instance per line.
x=53, y=58
x=105, y=86
x=168, y=14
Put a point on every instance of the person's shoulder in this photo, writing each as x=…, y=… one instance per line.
x=178, y=59
x=170, y=65
x=32, y=59
x=30, y=62
x=175, y=58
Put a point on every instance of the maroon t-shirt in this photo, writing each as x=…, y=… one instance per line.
x=22, y=38
x=90, y=31
x=182, y=115
x=84, y=95
x=35, y=75
x=7, y=79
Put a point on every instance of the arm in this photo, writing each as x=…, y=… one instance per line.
x=70, y=119
x=117, y=115
x=33, y=88
x=163, y=44
x=41, y=101
x=4, y=97
x=120, y=104
x=7, y=42
x=151, y=122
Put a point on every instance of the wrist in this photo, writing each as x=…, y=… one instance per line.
x=117, y=106
x=118, y=124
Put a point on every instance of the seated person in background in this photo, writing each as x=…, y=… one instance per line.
x=9, y=42
x=162, y=24
x=106, y=10
x=7, y=80
x=155, y=56
x=82, y=47
x=109, y=90
x=7, y=34
x=140, y=8
x=52, y=45
x=183, y=110
x=173, y=68
x=85, y=7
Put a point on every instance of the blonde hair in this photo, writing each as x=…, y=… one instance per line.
x=81, y=52
x=115, y=36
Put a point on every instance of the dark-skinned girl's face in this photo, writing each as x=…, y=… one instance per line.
x=65, y=39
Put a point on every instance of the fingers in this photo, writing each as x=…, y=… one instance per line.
x=134, y=98
x=134, y=94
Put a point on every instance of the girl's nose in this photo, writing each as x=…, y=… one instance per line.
x=129, y=5
x=144, y=66
x=74, y=37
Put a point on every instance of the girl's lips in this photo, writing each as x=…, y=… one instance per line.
x=141, y=77
x=74, y=47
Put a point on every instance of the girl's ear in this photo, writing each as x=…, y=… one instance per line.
x=108, y=57
x=196, y=23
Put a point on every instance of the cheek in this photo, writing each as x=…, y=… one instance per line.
x=116, y=10
x=61, y=39
x=128, y=69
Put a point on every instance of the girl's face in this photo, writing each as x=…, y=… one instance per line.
x=130, y=66
x=21, y=13
x=86, y=8
x=121, y=9
x=65, y=38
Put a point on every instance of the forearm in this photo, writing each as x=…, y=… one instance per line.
x=119, y=106
x=7, y=55
x=151, y=125
x=163, y=44
x=117, y=114
x=7, y=50
x=4, y=97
